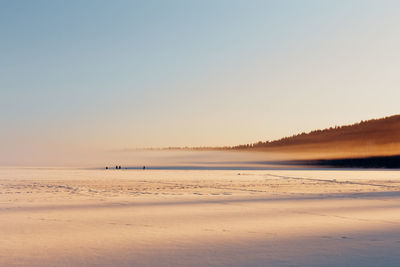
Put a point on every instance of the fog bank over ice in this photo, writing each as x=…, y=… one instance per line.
x=177, y=159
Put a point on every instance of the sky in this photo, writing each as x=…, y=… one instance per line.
x=84, y=77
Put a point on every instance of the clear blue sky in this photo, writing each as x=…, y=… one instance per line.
x=85, y=76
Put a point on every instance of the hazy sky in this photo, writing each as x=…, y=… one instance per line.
x=85, y=76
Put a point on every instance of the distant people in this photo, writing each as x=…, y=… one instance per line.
x=106, y=168
x=117, y=167
x=144, y=167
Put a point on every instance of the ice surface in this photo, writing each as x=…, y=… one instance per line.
x=72, y=217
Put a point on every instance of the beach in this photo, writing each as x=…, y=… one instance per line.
x=96, y=217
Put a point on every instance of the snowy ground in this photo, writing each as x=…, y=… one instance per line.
x=66, y=217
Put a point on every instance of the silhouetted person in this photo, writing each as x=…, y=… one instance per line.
x=116, y=167
x=106, y=168
x=119, y=167
x=144, y=167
